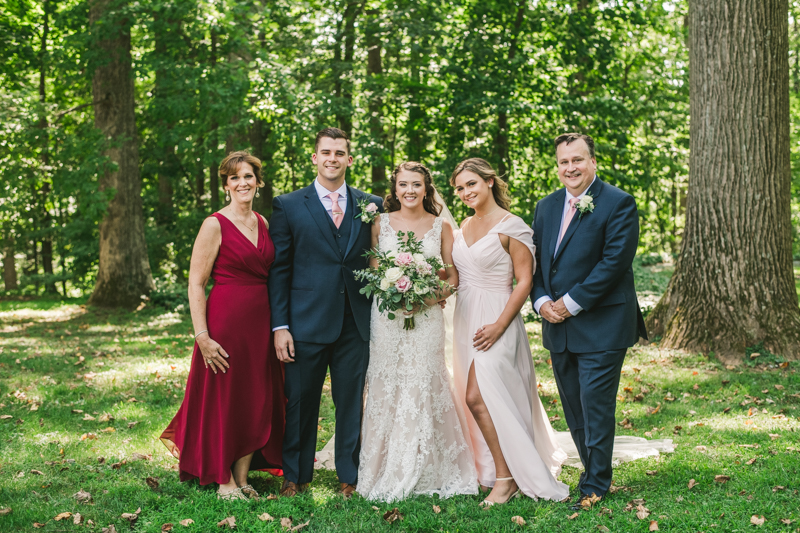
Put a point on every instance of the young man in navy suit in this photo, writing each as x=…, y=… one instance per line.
x=319, y=318
x=586, y=237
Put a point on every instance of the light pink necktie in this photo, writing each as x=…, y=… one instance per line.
x=336, y=212
x=567, y=219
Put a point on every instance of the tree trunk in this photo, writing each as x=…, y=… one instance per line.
x=47, y=219
x=377, y=147
x=343, y=69
x=164, y=25
x=9, y=264
x=417, y=141
x=259, y=133
x=733, y=286
x=124, y=271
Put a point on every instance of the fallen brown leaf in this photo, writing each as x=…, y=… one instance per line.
x=136, y=456
x=757, y=520
x=774, y=436
x=82, y=496
x=5, y=417
x=109, y=529
x=77, y=519
x=777, y=488
x=392, y=516
x=518, y=520
x=692, y=483
x=573, y=516
x=642, y=512
x=603, y=528
x=88, y=436
x=651, y=472
x=722, y=479
x=286, y=523
x=751, y=461
x=37, y=472
x=265, y=517
x=37, y=525
x=5, y=510
x=166, y=527
x=62, y=516
x=189, y=521
x=437, y=509
x=132, y=517
x=105, y=417
x=152, y=482
x=786, y=521
x=230, y=522
x=653, y=526
x=298, y=527
x=726, y=410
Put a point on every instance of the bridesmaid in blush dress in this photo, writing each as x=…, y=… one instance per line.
x=232, y=416
x=515, y=447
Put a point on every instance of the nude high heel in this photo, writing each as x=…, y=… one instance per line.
x=486, y=504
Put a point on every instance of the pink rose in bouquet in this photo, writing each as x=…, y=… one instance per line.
x=404, y=259
x=424, y=269
x=403, y=284
x=371, y=208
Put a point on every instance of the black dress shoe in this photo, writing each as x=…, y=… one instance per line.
x=586, y=502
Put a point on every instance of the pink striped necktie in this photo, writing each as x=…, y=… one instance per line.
x=336, y=212
x=567, y=219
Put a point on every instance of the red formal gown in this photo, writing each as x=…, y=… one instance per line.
x=224, y=417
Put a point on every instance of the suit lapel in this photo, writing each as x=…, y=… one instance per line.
x=353, y=211
x=320, y=216
x=554, y=220
x=594, y=191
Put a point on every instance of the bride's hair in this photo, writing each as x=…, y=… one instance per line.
x=429, y=203
x=482, y=168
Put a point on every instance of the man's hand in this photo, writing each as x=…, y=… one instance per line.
x=549, y=314
x=560, y=309
x=284, y=345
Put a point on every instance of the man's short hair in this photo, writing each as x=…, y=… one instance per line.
x=332, y=133
x=569, y=138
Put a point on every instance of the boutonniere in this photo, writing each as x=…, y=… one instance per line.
x=368, y=211
x=585, y=205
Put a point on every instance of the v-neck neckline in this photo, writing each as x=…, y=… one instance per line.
x=469, y=246
x=258, y=230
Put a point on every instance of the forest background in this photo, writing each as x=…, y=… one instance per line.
x=434, y=81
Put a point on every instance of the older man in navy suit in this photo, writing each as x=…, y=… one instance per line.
x=319, y=318
x=586, y=237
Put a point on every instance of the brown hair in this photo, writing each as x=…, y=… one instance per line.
x=230, y=166
x=569, y=138
x=482, y=168
x=429, y=203
x=332, y=133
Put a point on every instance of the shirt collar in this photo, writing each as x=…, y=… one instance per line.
x=322, y=192
x=581, y=195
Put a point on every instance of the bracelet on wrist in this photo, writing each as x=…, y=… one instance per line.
x=204, y=331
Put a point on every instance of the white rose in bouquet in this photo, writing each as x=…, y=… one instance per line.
x=391, y=254
x=419, y=258
x=393, y=274
x=385, y=284
x=420, y=288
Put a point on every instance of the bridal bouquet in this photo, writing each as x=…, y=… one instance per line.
x=403, y=278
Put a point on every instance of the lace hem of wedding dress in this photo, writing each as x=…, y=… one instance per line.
x=626, y=449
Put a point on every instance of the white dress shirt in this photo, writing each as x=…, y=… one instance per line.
x=323, y=193
x=569, y=303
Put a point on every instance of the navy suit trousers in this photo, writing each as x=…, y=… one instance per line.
x=587, y=384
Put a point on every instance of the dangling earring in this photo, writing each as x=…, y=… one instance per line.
x=227, y=195
x=257, y=195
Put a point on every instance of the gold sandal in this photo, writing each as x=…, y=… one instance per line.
x=249, y=491
x=235, y=494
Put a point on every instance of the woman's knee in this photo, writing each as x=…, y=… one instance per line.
x=475, y=400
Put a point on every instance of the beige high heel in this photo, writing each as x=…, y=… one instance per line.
x=486, y=504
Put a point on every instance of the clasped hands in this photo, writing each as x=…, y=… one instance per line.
x=554, y=312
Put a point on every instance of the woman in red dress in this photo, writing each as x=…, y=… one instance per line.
x=231, y=420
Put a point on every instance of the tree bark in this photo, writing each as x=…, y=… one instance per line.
x=9, y=264
x=733, y=285
x=377, y=148
x=124, y=271
x=164, y=86
x=47, y=219
x=343, y=69
x=259, y=134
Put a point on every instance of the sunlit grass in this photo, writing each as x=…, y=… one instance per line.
x=87, y=390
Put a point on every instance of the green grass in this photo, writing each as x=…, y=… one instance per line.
x=134, y=368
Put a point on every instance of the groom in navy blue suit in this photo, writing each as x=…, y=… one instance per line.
x=586, y=237
x=319, y=318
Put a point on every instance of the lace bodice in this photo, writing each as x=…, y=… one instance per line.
x=431, y=241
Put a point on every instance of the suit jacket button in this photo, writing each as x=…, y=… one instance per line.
x=341, y=291
x=339, y=235
x=554, y=270
x=555, y=294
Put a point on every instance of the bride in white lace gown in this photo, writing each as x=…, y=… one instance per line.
x=412, y=439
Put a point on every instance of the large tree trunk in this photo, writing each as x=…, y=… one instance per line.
x=733, y=286
x=124, y=272
x=345, y=47
x=259, y=133
x=47, y=219
x=377, y=146
x=9, y=264
x=164, y=25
